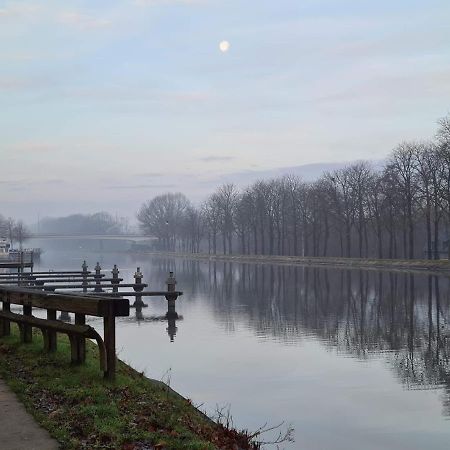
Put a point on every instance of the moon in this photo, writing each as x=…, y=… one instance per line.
x=224, y=46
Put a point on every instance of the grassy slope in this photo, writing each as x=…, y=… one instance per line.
x=410, y=265
x=82, y=410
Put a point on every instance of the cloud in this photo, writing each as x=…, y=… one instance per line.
x=13, y=84
x=34, y=146
x=217, y=158
x=22, y=184
x=82, y=21
x=167, y=2
x=18, y=9
x=307, y=172
x=143, y=186
x=150, y=174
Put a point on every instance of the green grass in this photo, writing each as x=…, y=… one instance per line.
x=83, y=411
x=403, y=265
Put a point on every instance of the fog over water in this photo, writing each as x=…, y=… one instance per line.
x=352, y=359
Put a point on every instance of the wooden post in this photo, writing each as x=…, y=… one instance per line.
x=50, y=344
x=80, y=319
x=27, y=330
x=109, y=327
x=4, y=324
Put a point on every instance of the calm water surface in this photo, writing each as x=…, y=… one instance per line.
x=352, y=359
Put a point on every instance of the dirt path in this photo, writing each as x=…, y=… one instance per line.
x=18, y=430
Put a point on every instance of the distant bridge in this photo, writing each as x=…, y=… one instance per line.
x=115, y=237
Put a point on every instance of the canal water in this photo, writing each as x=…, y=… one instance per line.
x=351, y=359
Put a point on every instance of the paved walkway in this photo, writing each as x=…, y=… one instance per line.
x=18, y=429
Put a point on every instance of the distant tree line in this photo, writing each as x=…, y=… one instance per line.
x=13, y=230
x=401, y=210
x=79, y=224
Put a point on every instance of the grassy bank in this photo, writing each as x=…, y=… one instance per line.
x=83, y=411
x=410, y=265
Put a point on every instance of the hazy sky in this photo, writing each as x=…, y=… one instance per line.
x=105, y=104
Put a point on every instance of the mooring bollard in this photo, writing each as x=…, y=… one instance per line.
x=115, y=278
x=171, y=298
x=98, y=278
x=65, y=316
x=85, y=274
x=138, y=287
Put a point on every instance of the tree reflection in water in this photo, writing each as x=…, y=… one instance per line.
x=402, y=316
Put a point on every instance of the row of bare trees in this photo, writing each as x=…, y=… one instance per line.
x=401, y=210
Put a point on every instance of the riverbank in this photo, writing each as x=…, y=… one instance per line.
x=416, y=265
x=83, y=411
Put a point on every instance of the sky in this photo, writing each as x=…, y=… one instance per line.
x=106, y=104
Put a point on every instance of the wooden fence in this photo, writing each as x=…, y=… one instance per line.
x=79, y=304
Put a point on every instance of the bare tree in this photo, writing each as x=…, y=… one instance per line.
x=163, y=218
x=403, y=163
x=21, y=233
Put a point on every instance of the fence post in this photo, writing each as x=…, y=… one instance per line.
x=109, y=333
x=50, y=341
x=26, y=331
x=5, y=324
x=80, y=357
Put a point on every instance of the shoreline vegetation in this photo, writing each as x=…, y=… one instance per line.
x=83, y=411
x=440, y=266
